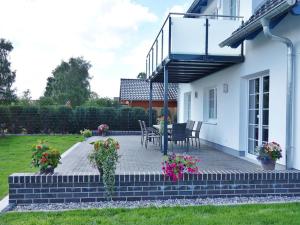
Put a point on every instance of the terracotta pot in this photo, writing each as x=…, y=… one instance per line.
x=268, y=164
x=49, y=170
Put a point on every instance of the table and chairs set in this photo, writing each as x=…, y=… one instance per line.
x=182, y=134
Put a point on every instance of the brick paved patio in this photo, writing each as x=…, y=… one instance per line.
x=135, y=158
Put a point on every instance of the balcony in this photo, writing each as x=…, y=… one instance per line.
x=188, y=47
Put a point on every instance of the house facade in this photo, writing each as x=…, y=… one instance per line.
x=245, y=104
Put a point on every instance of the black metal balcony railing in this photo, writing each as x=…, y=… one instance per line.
x=188, y=34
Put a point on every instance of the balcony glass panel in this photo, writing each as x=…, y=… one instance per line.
x=218, y=31
x=188, y=36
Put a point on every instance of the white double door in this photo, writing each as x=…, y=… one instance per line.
x=258, y=112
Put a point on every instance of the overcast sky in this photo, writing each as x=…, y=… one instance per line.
x=114, y=35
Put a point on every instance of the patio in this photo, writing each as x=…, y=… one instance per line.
x=135, y=158
x=139, y=177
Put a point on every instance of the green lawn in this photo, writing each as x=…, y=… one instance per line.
x=288, y=214
x=15, y=154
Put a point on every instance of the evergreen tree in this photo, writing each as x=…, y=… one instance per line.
x=7, y=76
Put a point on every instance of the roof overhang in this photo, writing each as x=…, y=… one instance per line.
x=251, y=30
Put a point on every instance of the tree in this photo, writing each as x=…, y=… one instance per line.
x=69, y=82
x=142, y=75
x=46, y=101
x=26, y=98
x=7, y=76
x=101, y=102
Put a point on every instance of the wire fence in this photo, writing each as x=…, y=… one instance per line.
x=62, y=119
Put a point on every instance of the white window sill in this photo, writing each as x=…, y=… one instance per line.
x=210, y=122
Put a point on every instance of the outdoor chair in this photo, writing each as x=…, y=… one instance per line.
x=196, y=134
x=151, y=134
x=189, y=127
x=179, y=134
x=142, y=132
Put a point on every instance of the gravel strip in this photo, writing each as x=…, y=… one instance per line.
x=157, y=203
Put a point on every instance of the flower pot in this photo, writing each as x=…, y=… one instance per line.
x=268, y=164
x=49, y=170
x=103, y=134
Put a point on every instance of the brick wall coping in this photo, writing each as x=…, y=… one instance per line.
x=154, y=176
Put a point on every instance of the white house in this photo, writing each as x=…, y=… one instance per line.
x=233, y=75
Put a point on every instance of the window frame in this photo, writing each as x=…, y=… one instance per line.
x=208, y=116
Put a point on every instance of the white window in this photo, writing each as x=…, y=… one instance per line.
x=187, y=106
x=210, y=105
x=233, y=7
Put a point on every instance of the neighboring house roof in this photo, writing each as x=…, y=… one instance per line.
x=275, y=10
x=138, y=90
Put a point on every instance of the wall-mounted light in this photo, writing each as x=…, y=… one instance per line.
x=225, y=88
x=196, y=94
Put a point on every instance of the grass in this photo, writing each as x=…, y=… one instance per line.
x=229, y=215
x=15, y=154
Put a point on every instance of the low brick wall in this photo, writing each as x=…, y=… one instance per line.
x=30, y=188
x=118, y=133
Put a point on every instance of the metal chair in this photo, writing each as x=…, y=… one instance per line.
x=179, y=134
x=151, y=134
x=189, y=127
x=196, y=134
x=142, y=132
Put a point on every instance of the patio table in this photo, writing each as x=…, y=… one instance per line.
x=157, y=126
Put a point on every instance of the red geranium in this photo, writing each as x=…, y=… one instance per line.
x=176, y=165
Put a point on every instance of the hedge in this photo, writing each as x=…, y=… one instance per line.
x=63, y=119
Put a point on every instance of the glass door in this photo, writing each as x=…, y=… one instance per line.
x=258, y=112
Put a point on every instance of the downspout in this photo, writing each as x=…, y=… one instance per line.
x=289, y=134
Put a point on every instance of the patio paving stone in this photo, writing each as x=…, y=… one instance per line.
x=135, y=158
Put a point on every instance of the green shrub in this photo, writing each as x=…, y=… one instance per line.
x=16, y=122
x=154, y=117
x=86, y=133
x=31, y=119
x=63, y=119
x=4, y=117
x=48, y=118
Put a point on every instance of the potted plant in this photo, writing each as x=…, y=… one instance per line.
x=175, y=166
x=268, y=154
x=105, y=157
x=86, y=133
x=103, y=129
x=45, y=158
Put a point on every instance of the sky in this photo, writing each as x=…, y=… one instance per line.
x=113, y=35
